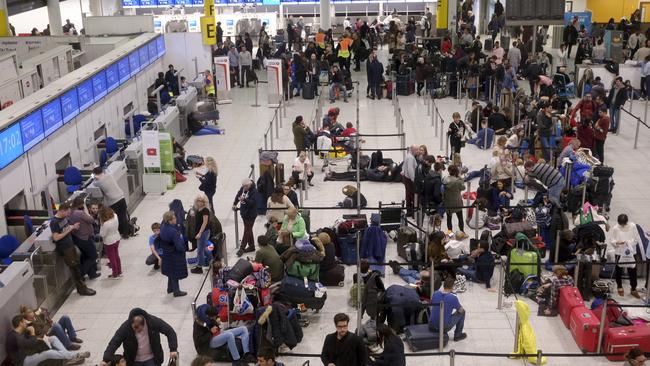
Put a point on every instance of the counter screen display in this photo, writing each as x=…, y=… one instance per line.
x=148, y=3
x=130, y=3
x=144, y=56
x=99, y=85
x=197, y=2
x=134, y=62
x=31, y=128
x=11, y=145
x=112, y=78
x=153, y=50
x=165, y=2
x=69, y=105
x=52, y=116
x=123, y=68
x=160, y=42
x=85, y=94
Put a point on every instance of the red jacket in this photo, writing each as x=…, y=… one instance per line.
x=587, y=109
x=348, y=132
x=586, y=136
x=601, y=128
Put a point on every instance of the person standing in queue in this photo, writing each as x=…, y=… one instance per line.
x=174, y=265
x=209, y=179
x=83, y=238
x=343, y=348
x=113, y=197
x=245, y=198
x=62, y=238
x=140, y=337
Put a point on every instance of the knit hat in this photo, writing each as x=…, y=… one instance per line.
x=349, y=190
x=324, y=238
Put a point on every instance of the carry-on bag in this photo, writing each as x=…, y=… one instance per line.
x=348, y=244
x=298, y=291
x=569, y=298
x=584, y=326
x=420, y=338
x=526, y=261
x=405, y=235
x=240, y=270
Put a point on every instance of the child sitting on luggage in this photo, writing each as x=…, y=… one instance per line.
x=560, y=279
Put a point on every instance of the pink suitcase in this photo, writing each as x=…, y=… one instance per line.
x=569, y=298
x=584, y=328
x=622, y=339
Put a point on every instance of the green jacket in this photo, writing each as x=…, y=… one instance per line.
x=268, y=256
x=299, y=230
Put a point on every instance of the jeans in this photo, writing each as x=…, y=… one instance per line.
x=151, y=260
x=113, y=254
x=57, y=352
x=63, y=331
x=457, y=320
x=409, y=275
x=342, y=91
x=554, y=193
x=546, y=146
x=172, y=285
x=245, y=74
x=88, y=259
x=375, y=90
x=122, y=216
x=615, y=114
x=202, y=245
x=228, y=336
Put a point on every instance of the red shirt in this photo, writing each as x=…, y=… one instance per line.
x=601, y=128
x=348, y=132
x=445, y=47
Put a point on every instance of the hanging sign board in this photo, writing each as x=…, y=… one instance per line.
x=274, y=72
x=222, y=79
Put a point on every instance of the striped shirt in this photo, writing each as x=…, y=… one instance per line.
x=546, y=174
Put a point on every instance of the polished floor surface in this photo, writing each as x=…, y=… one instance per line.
x=490, y=330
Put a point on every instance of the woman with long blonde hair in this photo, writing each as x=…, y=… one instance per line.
x=209, y=179
x=201, y=220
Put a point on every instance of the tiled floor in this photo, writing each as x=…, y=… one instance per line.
x=489, y=329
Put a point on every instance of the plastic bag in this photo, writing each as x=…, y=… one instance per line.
x=241, y=304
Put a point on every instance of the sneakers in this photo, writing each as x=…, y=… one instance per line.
x=73, y=347
x=394, y=266
x=621, y=292
x=75, y=361
x=83, y=354
x=460, y=337
x=197, y=270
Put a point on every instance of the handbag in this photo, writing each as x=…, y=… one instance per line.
x=627, y=257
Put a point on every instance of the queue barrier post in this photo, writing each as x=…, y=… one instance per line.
x=436, y=121
x=433, y=116
x=442, y=133
x=441, y=324
x=601, y=329
x=302, y=194
x=584, y=194
x=237, y=242
x=256, y=95
x=305, y=181
x=538, y=361
x=500, y=289
x=476, y=213
x=556, y=248
x=452, y=357
x=517, y=330
x=459, y=94
x=277, y=127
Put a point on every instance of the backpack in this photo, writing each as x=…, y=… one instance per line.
x=530, y=285
x=303, y=270
x=354, y=299
x=515, y=280
x=370, y=296
x=376, y=159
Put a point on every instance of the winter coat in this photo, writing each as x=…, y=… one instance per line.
x=208, y=183
x=298, y=231
x=283, y=330
x=299, y=133
x=173, y=246
x=247, y=207
x=452, y=195
x=374, y=243
x=393, y=354
x=293, y=254
x=404, y=302
x=375, y=71
x=125, y=336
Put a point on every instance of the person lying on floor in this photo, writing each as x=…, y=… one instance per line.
x=380, y=174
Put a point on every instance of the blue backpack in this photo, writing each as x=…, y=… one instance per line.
x=530, y=285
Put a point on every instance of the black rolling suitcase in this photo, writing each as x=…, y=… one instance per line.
x=296, y=291
x=405, y=85
x=405, y=235
x=420, y=338
x=308, y=90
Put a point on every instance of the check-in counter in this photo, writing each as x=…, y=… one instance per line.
x=186, y=103
x=135, y=169
x=168, y=120
x=17, y=288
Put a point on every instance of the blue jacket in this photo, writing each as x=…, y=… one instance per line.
x=173, y=245
x=374, y=244
x=248, y=207
x=484, y=266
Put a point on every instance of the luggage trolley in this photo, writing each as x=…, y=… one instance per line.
x=390, y=215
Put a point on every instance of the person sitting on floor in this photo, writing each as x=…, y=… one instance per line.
x=351, y=197
x=331, y=273
x=561, y=278
x=62, y=329
x=454, y=313
x=455, y=248
x=293, y=224
x=40, y=349
x=393, y=354
x=268, y=256
x=208, y=336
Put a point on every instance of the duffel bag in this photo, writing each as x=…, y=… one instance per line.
x=240, y=270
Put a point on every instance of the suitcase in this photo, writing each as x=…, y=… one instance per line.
x=488, y=44
x=405, y=86
x=622, y=339
x=615, y=314
x=414, y=253
x=348, y=245
x=297, y=291
x=420, y=338
x=308, y=90
x=584, y=328
x=405, y=235
x=526, y=227
x=569, y=299
x=390, y=215
x=517, y=255
x=240, y=270
x=278, y=171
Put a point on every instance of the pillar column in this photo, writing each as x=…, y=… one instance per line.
x=325, y=15
x=4, y=20
x=54, y=16
x=381, y=8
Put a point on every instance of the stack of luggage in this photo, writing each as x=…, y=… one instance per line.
x=405, y=84
x=600, y=186
x=346, y=232
x=300, y=285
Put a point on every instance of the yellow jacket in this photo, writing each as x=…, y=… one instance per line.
x=526, y=340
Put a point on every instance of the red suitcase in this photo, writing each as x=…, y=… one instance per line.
x=622, y=339
x=569, y=298
x=614, y=313
x=584, y=328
